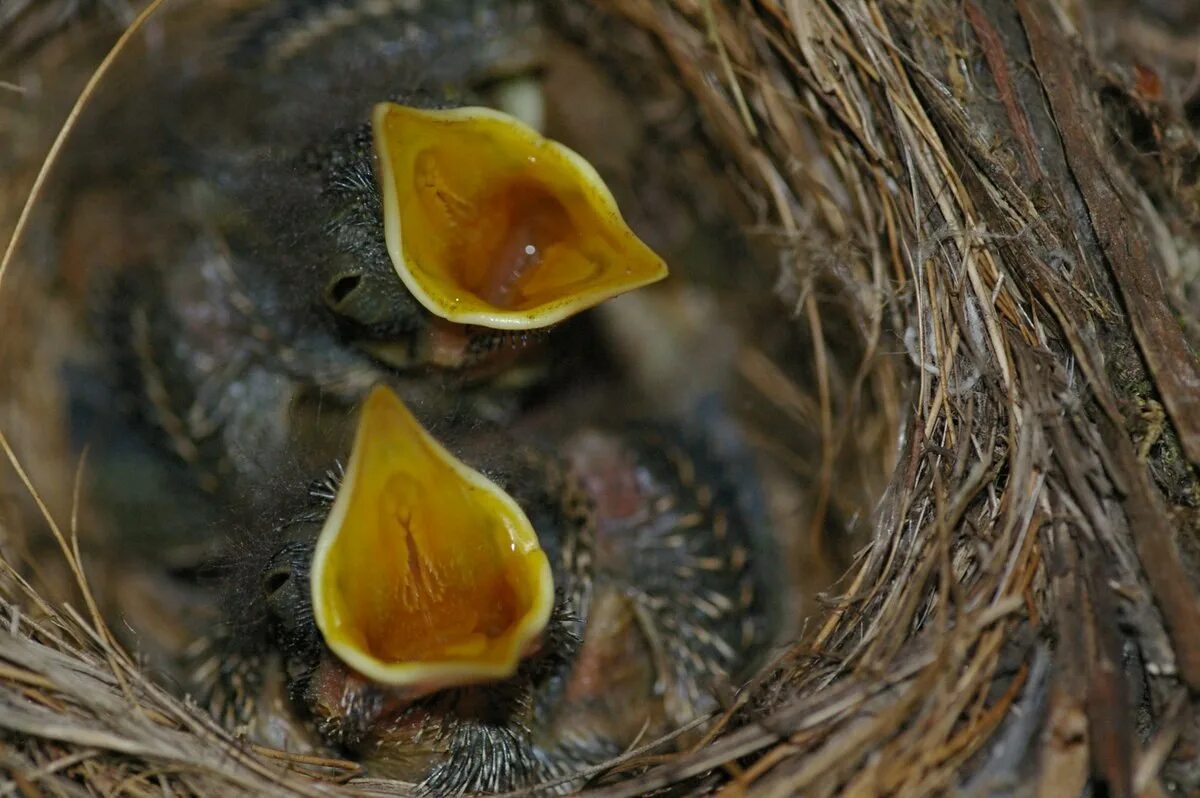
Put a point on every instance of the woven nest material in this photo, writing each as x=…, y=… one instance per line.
x=982, y=217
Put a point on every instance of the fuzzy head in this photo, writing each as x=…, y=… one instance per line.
x=459, y=234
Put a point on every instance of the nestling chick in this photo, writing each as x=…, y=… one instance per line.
x=290, y=236
x=478, y=635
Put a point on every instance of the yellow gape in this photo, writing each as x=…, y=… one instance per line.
x=426, y=574
x=489, y=223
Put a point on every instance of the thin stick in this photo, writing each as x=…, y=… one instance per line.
x=52, y=156
x=100, y=628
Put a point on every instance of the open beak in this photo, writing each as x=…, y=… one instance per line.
x=426, y=574
x=489, y=223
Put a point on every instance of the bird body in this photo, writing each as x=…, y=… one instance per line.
x=661, y=608
x=232, y=226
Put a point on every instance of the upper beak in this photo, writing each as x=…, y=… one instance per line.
x=489, y=223
x=426, y=574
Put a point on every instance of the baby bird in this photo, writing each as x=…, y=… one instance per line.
x=487, y=633
x=286, y=235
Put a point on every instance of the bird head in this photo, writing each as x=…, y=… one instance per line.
x=413, y=601
x=463, y=233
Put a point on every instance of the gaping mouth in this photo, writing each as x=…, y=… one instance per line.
x=426, y=574
x=489, y=223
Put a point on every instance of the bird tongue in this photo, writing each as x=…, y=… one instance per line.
x=488, y=223
x=425, y=574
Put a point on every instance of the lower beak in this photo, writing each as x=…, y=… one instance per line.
x=474, y=351
x=426, y=574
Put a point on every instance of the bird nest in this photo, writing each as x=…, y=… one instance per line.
x=978, y=222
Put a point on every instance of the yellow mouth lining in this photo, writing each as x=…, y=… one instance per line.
x=489, y=223
x=426, y=574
